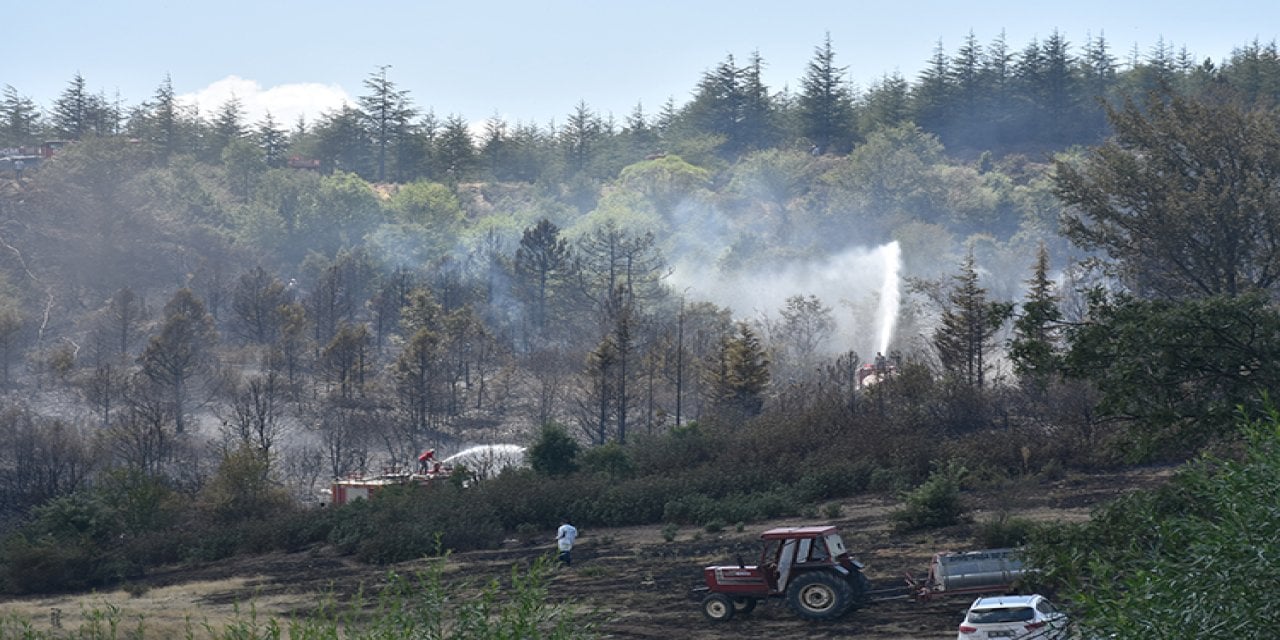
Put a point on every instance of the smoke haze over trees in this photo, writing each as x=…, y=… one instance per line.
x=196, y=306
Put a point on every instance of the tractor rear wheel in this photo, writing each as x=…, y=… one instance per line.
x=743, y=605
x=819, y=595
x=717, y=607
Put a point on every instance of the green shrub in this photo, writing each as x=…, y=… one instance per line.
x=1002, y=530
x=554, y=452
x=713, y=526
x=886, y=479
x=669, y=531
x=610, y=459
x=935, y=503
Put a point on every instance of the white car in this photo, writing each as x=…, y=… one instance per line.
x=1016, y=617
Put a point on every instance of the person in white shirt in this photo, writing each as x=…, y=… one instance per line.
x=565, y=536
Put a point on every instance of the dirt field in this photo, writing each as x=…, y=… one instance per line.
x=638, y=582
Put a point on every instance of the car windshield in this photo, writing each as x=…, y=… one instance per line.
x=1002, y=614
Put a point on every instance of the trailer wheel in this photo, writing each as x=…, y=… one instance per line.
x=743, y=605
x=819, y=595
x=717, y=607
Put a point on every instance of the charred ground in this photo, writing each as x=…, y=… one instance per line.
x=631, y=581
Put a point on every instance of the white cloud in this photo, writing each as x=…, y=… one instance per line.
x=286, y=102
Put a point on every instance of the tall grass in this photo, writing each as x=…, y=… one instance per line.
x=420, y=606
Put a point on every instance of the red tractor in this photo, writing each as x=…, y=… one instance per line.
x=809, y=566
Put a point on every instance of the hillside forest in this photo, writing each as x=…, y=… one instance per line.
x=1068, y=259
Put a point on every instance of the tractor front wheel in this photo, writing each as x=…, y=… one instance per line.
x=717, y=607
x=743, y=605
x=819, y=595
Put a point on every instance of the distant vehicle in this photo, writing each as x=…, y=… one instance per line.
x=1014, y=617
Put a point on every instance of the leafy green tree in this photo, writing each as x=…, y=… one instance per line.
x=430, y=215
x=667, y=182
x=970, y=320
x=826, y=103
x=554, y=453
x=1176, y=372
x=1181, y=199
x=181, y=351
x=242, y=489
x=346, y=359
x=1155, y=564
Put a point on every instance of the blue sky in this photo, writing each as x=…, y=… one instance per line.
x=534, y=61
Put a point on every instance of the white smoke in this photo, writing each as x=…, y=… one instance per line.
x=860, y=284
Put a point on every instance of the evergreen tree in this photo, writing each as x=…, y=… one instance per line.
x=387, y=113
x=826, y=103
x=738, y=374
x=582, y=134
x=543, y=269
x=72, y=110
x=760, y=127
x=227, y=126
x=162, y=121
x=19, y=119
x=969, y=323
x=886, y=104
x=455, y=151
x=1181, y=198
x=1035, y=347
x=931, y=97
x=342, y=142
x=273, y=141
x=181, y=351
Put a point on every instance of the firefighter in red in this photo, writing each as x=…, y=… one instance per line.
x=424, y=460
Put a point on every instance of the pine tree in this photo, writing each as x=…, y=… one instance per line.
x=182, y=349
x=273, y=141
x=543, y=268
x=739, y=373
x=826, y=103
x=1035, y=346
x=387, y=113
x=19, y=119
x=71, y=111
x=931, y=96
x=969, y=323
